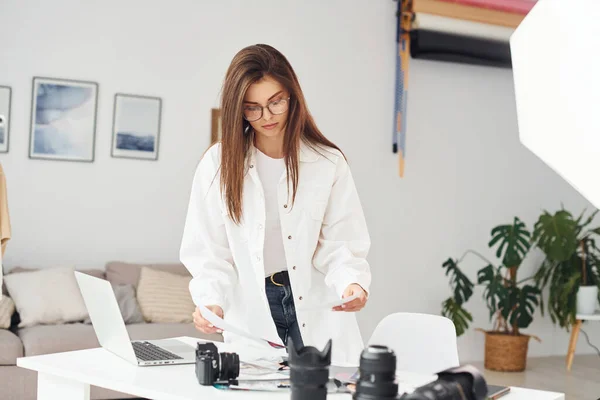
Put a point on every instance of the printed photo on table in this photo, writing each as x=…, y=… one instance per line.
x=5, y=97
x=136, y=126
x=63, y=119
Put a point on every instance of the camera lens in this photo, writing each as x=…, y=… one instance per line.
x=230, y=366
x=377, y=374
x=309, y=371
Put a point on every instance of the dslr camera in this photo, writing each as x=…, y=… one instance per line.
x=214, y=367
x=377, y=380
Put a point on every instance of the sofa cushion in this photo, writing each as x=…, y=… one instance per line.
x=46, y=296
x=156, y=331
x=16, y=318
x=94, y=272
x=129, y=273
x=11, y=348
x=46, y=339
x=164, y=296
x=7, y=309
x=128, y=304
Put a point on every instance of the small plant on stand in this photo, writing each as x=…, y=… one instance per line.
x=571, y=266
x=511, y=303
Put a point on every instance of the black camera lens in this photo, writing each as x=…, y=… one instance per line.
x=309, y=371
x=230, y=366
x=377, y=374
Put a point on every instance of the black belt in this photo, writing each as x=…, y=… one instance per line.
x=278, y=279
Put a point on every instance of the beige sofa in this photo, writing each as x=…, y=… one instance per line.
x=20, y=384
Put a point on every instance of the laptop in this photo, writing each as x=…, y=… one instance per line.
x=112, y=334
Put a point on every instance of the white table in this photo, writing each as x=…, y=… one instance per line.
x=575, y=334
x=68, y=376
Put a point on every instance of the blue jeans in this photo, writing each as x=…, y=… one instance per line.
x=283, y=311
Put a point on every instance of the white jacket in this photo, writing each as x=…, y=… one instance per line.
x=326, y=243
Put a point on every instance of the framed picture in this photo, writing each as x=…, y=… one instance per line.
x=136, y=126
x=216, y=129
x=5, y=98
x=63, y=119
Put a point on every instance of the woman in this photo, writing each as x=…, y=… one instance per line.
x=275, y=228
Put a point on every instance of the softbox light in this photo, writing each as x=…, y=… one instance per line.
x=556, y=65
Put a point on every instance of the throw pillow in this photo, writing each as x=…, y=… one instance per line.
x=99, y=273
x=129, y=273
x=130, y=309
x=164, y=296
x=7, y=309
x=46, y=296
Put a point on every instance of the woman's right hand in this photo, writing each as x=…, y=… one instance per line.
x=204, y=325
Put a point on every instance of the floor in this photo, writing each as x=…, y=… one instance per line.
x=550, y=373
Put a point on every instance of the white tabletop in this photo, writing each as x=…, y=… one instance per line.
x=98, y=367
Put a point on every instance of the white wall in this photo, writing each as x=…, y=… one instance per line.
x=465, y=169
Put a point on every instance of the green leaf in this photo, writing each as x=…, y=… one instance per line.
x=591, y=260
x=508, y=302
x=513, y=242
x=542, y=276
x=556, y=235
x=459, y=316
x=591, y=243
x=494, y=292
x=461, y=285
x=594, y=270
x=526, y=302
x=544, y=272
x=587, y=222
x=563, y=286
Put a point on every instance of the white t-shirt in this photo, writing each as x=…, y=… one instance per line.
x=270, y=171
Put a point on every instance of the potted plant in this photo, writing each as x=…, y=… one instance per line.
x=571, y=266
x=511, y=302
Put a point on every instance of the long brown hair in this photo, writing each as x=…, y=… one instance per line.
x=250, y=65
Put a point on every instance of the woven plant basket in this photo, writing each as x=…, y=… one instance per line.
x=506, y=353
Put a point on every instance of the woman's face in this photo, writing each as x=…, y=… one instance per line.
x=267, y=92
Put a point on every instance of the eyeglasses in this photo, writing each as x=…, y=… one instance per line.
x=276, y=107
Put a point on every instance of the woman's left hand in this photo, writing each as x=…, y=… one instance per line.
x=356, y=304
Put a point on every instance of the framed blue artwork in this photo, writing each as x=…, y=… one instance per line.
x=136, y=126
x=63, y=119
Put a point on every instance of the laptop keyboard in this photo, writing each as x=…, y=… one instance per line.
x=146, y=351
